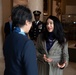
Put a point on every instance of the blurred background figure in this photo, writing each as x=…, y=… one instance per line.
x=37, y=26
x=8, y=27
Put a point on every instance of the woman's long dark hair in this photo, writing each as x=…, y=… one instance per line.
x=58, y=35
x=58, y=30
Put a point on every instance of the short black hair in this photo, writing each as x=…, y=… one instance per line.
x=20, y=14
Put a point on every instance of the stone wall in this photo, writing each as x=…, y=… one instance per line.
x=5, y=11
x=1, y=53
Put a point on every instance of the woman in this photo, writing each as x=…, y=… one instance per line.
x=19, y=51
x=53, y=46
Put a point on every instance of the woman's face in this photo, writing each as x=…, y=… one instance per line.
x=50, y=25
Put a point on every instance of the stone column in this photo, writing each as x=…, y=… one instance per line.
x=20, y=2
x=5, y=11
x=36, y=5
x=1, y=53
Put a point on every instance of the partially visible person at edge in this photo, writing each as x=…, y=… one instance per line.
x=50, y=45
x=37, y=26
x=8, y=27
x=19, y=51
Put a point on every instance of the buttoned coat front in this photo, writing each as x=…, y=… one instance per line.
x=54, y=53
x=37, y=28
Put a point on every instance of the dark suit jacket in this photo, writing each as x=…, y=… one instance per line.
x=36, y=29
x=7, y=28
x=20, y=55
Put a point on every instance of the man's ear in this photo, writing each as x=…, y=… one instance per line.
x=26, y=22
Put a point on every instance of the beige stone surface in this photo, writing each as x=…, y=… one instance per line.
x=20, y=2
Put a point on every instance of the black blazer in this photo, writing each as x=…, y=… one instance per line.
x=20, y=55
x=7, y=28
x=36, y=29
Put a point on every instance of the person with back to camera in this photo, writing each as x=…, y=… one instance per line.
x=53, y=47
x=8, y=27
x=19, y=51
x=37, y=26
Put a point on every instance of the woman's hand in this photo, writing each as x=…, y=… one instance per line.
x=47, y=59
x=61, y=66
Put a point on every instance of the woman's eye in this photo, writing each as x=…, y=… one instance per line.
x=51, y=23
